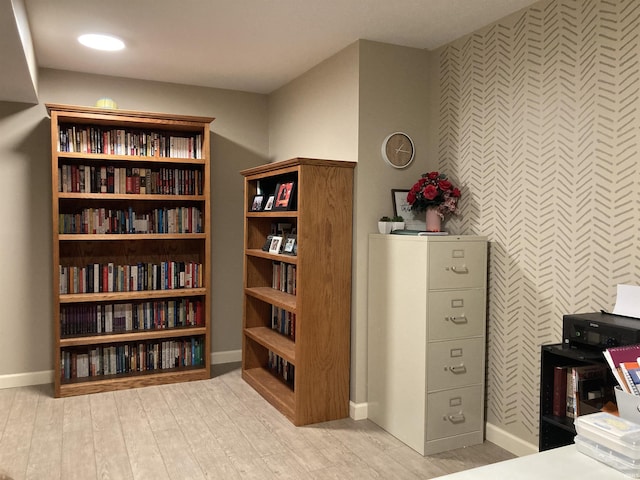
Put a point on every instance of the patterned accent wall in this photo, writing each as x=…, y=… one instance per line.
x=540, y=123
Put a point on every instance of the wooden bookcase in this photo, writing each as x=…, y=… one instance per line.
x=131, y=248
x=315, y=358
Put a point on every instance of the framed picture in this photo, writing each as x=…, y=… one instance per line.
x=256, y=203
x=267, y=243
x=284, y=196
x=290, y=245
x=402, y=208
x=269, y=204
x=276, y=241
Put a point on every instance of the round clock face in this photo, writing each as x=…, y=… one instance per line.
x=398, y=150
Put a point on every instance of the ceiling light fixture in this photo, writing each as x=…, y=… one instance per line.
x=101, y=42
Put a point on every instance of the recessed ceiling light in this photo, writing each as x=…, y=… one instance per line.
x=101, y=42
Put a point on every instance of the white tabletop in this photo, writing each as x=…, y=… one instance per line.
x=564, y=463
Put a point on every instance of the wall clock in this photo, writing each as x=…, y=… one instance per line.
x=398, y=150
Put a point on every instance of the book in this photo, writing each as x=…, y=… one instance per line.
x=631, y=375
x=559, y=405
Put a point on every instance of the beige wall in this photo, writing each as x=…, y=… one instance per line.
x=538, y=117
x=239, y=140
x=393, y=97
x=342, y=109
x=316, y=115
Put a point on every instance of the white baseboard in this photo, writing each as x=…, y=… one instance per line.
x=26, y=379
x=226, y=357
x=508, y=441
x=358, y=411
x=38, y=378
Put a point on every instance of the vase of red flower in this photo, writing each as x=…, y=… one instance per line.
x=436, y=195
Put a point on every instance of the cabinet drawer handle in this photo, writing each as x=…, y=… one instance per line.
x=457, y=320
x=458, y=368
x=456, y=418
x=460, y=269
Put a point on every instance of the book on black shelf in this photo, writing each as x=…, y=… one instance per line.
x=559, y=404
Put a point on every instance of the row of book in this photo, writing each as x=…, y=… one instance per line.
x=131, y=180
x=283, y=322
x=118, y=359
x=109, y=277
x=579, y=390
x=86, y=318
x=118, y=141
x=106, y=220
x=281, y=368
x=284, y=277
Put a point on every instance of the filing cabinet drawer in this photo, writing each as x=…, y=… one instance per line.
x=457, y=265
x=455, y=363
x=454, y=412
x=455, y=314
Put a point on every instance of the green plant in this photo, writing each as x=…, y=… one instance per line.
x=385, y=219
x=397, y=218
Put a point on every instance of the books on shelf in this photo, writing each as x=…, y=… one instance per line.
x=118, y=141
x=115, y=221
x=109, y=277
x=284, y=277
x=585, y=389
x=127, y=180
x=97, y=318
x=145, y=356
x=281, y=368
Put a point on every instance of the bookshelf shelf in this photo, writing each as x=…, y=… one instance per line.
x=297, y=309
x=131, y=336
x=274, y=341
x=135, y=280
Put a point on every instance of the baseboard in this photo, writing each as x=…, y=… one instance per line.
x=229, y=356
x=38, y=378
x=358, y=411
x=26, y=379
x=508, y=441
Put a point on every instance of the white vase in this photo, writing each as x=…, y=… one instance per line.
x=385, y=227
x=397, y=226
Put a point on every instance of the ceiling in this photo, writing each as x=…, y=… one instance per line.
x=248, y=45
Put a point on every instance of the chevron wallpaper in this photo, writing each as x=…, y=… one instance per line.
x=539, y=120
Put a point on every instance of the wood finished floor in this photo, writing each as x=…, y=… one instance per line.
x=218, y=428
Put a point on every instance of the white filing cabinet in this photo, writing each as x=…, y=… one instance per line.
x=426, y=339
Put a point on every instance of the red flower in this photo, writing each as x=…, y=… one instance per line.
x=434, y=190
x=430, y=192
x=444, y=185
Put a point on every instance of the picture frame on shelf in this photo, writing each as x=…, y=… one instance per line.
x=256, y=203
x=267, y=243
x=402, y=208
x=290, y=245
x=276, y=242
x=269, y=205
x=284, y=196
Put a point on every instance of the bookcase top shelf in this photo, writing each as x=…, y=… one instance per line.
x=119, y=116
x=84, y=237
x=287, y=166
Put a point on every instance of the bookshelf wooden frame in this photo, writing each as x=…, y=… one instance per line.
x=124, y=248
x=322, y=215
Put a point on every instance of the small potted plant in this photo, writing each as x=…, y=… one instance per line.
x=398, y=223
x=385, y=225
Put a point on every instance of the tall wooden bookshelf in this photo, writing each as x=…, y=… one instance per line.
x=295, y=343
x=131, y=248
